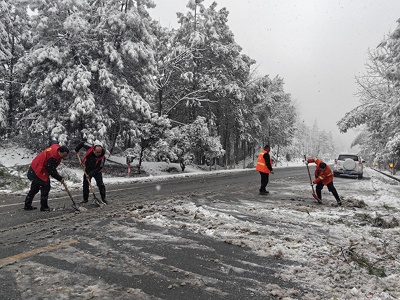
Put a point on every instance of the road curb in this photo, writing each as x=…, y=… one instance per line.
x=388, y=175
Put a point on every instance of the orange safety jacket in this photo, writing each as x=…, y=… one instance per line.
x=325, y=176
x=261, y=164
x=38, y=164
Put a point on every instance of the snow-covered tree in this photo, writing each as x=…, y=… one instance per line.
x=203, y=73
x=3, y=110
x=181, y=146
x=219, y=69
x=91, y=68
x=274, y=111
x=14, y=39
x=310, y=141
x=194, y=142
x=150, y=138
x=102, y=68
x=171, y=58
x=379, y=110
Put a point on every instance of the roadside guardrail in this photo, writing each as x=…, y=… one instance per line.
x=388, y=175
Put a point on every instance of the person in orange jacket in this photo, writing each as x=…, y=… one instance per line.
x=324, y=176
x=264, y=166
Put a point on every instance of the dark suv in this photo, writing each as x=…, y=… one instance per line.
x=348, y=164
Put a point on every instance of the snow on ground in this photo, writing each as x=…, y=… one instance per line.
x=351, y=252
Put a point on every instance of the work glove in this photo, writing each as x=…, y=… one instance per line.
x=312, y=183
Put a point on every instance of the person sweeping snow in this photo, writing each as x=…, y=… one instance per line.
x=41, y=168
x=323, y=176
x=93, y=160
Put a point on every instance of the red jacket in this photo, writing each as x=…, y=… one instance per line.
x=325, y=176
x=39, y=163
x=262, y=165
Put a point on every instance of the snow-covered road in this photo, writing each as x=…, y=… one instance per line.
x=210, y=246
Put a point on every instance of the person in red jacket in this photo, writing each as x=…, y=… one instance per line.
x=324, y=176
x=42, y=167
x=264, y=166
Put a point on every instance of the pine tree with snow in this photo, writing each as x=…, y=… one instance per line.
x=149, y=139
x=218, y=70
x=14, y=40
x=90, y=69
x=194, y=143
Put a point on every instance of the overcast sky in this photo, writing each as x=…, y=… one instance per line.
x=316, y=46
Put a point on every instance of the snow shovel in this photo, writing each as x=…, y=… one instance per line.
x=95, y=199
x=74, y=206
x=311, y=182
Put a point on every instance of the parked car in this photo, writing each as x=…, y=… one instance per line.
x=348, y=164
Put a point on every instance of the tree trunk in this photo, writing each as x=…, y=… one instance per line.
x=277, y=156
x=236, y=147
x=114, y=136
x=11, y=95
x=160, y=98
x=140, y=159
x=244, y=154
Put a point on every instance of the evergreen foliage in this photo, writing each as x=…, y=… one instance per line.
x=106, y=70
x=378, y=114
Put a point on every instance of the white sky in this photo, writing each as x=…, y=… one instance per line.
x=317, y=46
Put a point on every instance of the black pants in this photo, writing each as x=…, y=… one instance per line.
x=100, y=184
x=36, y=186
x=264, y=181
x=331, y=188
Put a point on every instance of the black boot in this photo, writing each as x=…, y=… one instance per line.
x=30, y=207
x=102, y=190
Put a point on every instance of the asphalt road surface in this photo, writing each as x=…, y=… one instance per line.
x=108, y=253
